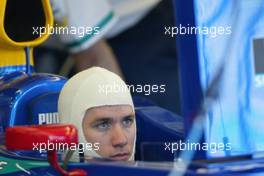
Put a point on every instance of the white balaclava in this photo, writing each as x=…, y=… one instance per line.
x=91, y=88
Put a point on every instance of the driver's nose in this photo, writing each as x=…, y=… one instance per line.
x=119, y=138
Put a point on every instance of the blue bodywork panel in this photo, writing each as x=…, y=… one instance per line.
x=23, y=98
x=12, y=164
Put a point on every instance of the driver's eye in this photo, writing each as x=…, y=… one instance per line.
x=102, y=126
x=127, y=122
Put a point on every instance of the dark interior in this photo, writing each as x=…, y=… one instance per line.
x=259, y=55
x=20, y=18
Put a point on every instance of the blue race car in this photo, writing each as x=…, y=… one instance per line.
x=28, y=115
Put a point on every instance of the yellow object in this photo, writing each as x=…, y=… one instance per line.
x=14, y=57
x=12, y=53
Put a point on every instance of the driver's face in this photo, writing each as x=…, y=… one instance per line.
x=113, y=127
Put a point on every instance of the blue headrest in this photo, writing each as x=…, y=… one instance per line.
x=26, y=98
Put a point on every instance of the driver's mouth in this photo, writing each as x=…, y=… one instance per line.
x=120, y=157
